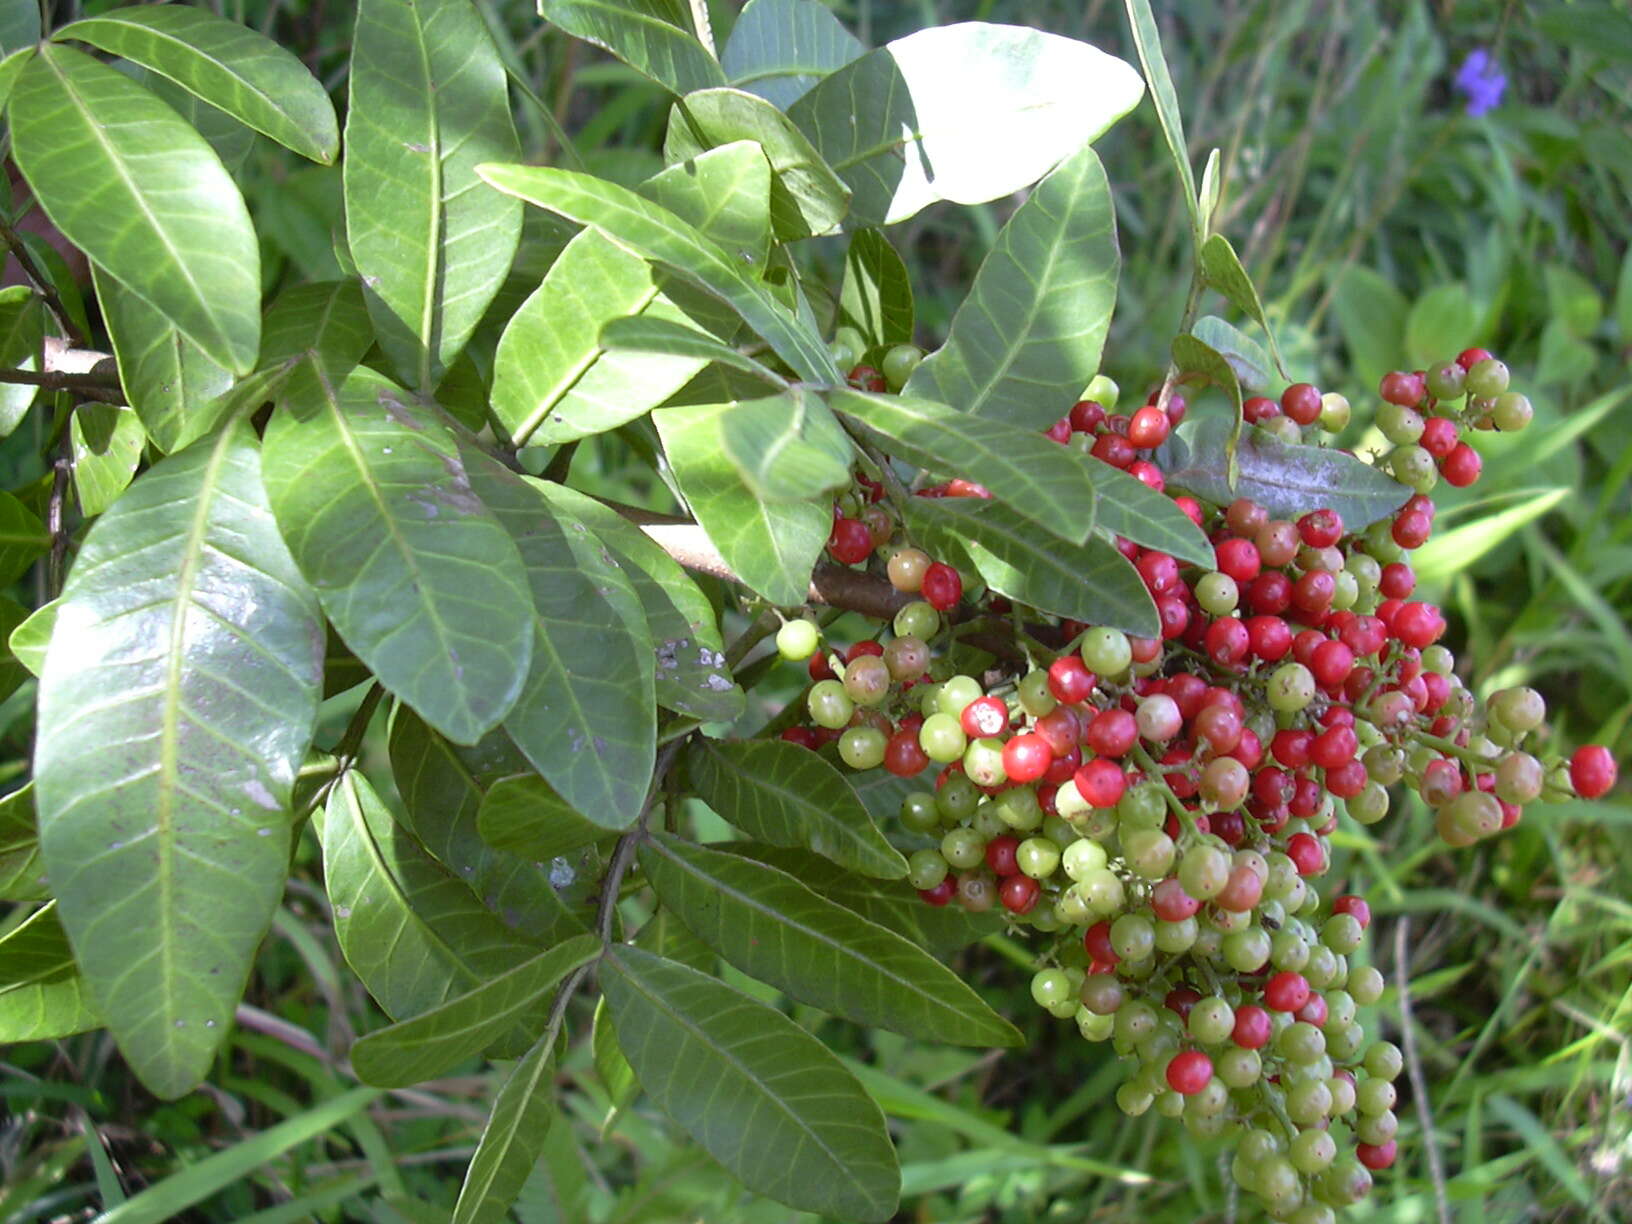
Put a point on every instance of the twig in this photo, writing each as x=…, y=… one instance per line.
x=41, y=282
x=1413, y=1064
x=103, y=388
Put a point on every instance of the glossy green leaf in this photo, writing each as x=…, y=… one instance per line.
x=511, y=1140
x=414, y=934
x=645, y=333
x=163, y=782
x=324, y=324
x=1133, y=510
x=523, y=815
x=654, y=37
x=1020, y=467
x=786, y=795
x=1027, y=339
x=107, y=443
x=617, y=1076
x=414, y=572
x=1198, y=361
x=968, y=113
x=428, y=102
x=773, y=928
x=42, y=996
x=786, y=447
x=443, y=787
x=23, y=539
x=771, y=546
x=1246, y=357
x=1148, y=40
x=876, y=296
x=553, y=378
x=586, y=718
x=1090, y=582
x=22, y=327
x=19, y=26
x=228, y=65
x=660, y=235
x=1287, y=479
x=22, y=876
x=168, y=380
x=28, y=641
x=807, y=197
x=141, y=193
x=1221, y=268
x=725, y=193
x=767, y=1100
x=434, y=1042
x=779, y=49
x=231, y=140
x=691, y=675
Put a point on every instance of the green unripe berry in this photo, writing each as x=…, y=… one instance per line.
x=1238, y=1068
x=917, y=619
x=829, y=705
x=1519, y=709
x=862, y=747
x=1037, y=857
x=1366, y=984
x=1149, y=851
x=1173, y=938
x=1050, y=987
x=1384, y=1060
x=919, y=813
x=1244, y=951
x=1018, y=808
x=1291, y=688
x=899, y=363
x=983, y=762
x=942, y=738
x=1401, y=426
x=1217, y=594
x=957, y=799
x=1375, y=1096
x=1204, y=871
x=1414, y=467
x=956, y=693
x=926, y=868
x=1334, y=412
x=1211, y=1020
x=1342, y=933
x=797, y=640
x=965, y=849
x=1447, y=380
x=867, y=680
x=988, y=822
x=1512, y=412
x=1487, y=378
x=1313, y=1150
x=1103, y=391
x=1082, y=858
x=1106, y=651
x=1133, y=936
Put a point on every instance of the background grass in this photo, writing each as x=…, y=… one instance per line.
x=1384, y=226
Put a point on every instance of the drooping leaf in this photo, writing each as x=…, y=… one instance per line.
x=771, y=546
x=428, y=103
x=1090, y=582
x=522, y=815
x=414, y=572
x=228, y=65
x=42, y=996
x=645, y=333
x=167, y=378
x=767, y=1100
x=442, y=787
x=806, y=196
x=786, y=795
x=779, y=49
x=654, y=37
x=1035, y=476
x=107, y=443
x=1148, y=40
x=725, y=193
x=1246, y=357
x=786, y=447
x=511, y=1140
x=1221, y=267
x=586, y=717
x=414, y=934
x=434, y=1042
x=1132, y=509
x=775, y=929
x=22, y=875
x=163, y=782
x=968, y=113
x=1287, y=479
x=141, y=193
x=22, y=326
x=1027, y=339
x=660, y=235
x=691, y=675
x=553, y=379
x=23, y=539
x=876, y=296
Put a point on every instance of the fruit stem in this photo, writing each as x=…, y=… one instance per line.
x=1154, y=772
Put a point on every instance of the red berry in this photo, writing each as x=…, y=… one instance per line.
x=1306, y=854
x=1333, y=747
x=1412, y=529
x=1181, y=999
x=1290, y=747
x=1060, y=431
x=850, y=542
x=866, y=378
x=1101, y=783
x=1239, y=559
x=1252, y=1027
x=1000, y=854
x=1286, y=991
x=1321, y=528
x=1301, y=402
x=1270, y=594
x=1086, y=416
x=803, y=736
x=1398, y=581
x=1160, y=572
x=903, y=756
x=1592, y=771
x=1170, y=903
x=867, y=646
x=1148, y=474
x=1347, y=780
x=1189, y=1072
x=1019, y=894
x=941, y=893
x=1468, y=358
x=1356, y=907
x=1069, y=679
x=1313, y=1012
x=1256, y=408
x=942, y=587
x=1112, y=733
x=1418, y=624
x=1149, y=427
x=1376, y=1156
x=819, y=668
x=1439, y=435
x=1403, y=388
x=1462, y=466
x=1027, y=758
x=1096, y=941
x=1114, y=449
x=1332, y=662
x=984, y=716
x=1227, y=641
x=1269, y=636
x=1191, y=508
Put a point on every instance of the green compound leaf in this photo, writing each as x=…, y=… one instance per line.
x=1027, y=339
x=523, y=815
x=233, y=68
x=107, y=442
x=436, y=1041
x=586, y=718
x=725, y=193
x=163, y=783
x=1221, y=268
x=512, y=1139
x=1129, y=508
x=167, y=378
x=779, y=49
x=876, y=297
x=1090, y=582
x=414, y=572
x=443, y=786
x=428, y=102
x=658, y=234
x=968, y=113
x=414, y=934
x=772, y=546
x=786, y=795
x=1040, y=479
x=775, y=929
x=656, y=38
x=806, y=196
x=140, y=192
x=553, y=378
x=22, y=876
x=1287, y=479
x=42, y=996
x=767, y=1100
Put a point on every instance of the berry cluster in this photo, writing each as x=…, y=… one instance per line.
x=1159, y=809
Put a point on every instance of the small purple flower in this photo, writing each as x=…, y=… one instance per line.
x=1481, y=81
